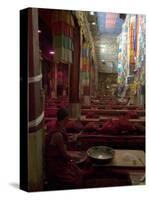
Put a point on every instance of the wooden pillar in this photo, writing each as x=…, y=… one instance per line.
x=75, y=76
x=35, y=106
x=87, y=86
x=89, y=71
x=54, y=78
x=81, y=63
x=87, y=95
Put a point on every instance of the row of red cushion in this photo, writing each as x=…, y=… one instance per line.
x=129, y=114
x=109, y=127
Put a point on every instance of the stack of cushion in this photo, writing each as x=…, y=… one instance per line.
x=122, y=125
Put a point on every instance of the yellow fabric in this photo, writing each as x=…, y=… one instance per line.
x=84, y=61
x=133, y=88
x=63, y=55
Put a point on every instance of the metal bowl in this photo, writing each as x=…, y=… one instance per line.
x=100, y=154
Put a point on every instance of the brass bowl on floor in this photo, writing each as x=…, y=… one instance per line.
x=100, y=154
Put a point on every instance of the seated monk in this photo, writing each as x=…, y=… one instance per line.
x=60, y=165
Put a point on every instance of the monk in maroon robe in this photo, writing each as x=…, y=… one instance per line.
x=61, y=169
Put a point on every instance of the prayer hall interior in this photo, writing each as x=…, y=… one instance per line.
x=86, y=68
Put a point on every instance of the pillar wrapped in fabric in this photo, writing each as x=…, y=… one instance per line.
x=35, y=108
x=132, y=37
x=85, y=72
x=62, y=26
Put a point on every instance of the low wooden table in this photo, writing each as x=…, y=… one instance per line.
x=127, y=158
x=127, y=161
x=131, y=162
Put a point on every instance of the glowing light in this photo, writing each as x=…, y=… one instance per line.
x=93, y=23
x=91, y=13
x=102, y=45
x=51, y=52
x=103, y=50
x=39, y=31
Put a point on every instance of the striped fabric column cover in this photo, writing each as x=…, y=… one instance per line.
x=62, y=25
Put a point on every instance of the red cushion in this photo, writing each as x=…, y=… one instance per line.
x=63, y=104
x=51, y=125
x=74, y=126
x=109, y=127
x=108, y=107
x=125, y=125
x=86, y=107
x=51, y=113
x=132, y=114
x=92, y=115
x=91, y=126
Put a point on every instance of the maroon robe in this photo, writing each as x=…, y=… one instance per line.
x=60, y=170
